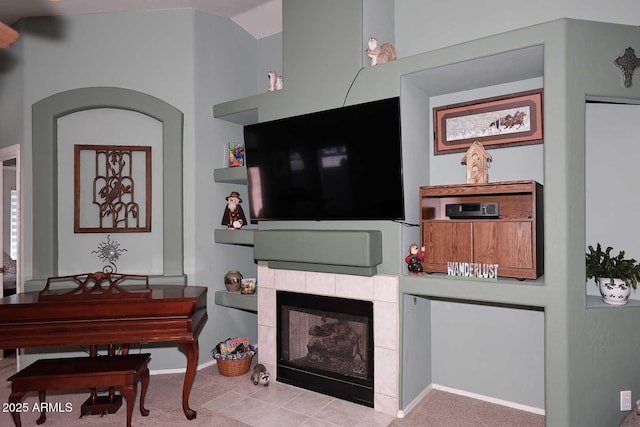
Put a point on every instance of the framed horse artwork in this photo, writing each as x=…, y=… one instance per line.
x=514, y=119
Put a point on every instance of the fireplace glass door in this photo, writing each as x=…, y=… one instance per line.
x=325, y=344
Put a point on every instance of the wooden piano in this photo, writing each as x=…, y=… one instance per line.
x=144, y=314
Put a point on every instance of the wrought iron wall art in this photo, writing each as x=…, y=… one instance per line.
x=112, y=189
x=109, y=251
x=627, y=63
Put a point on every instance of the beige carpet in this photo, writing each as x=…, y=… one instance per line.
x=235, y=401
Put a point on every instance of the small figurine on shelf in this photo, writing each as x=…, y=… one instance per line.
x=414, y=260
x=236, y=155
x=233, y=216
x=380, y=54
x=275, y=81
x=273, y=76
x=478, y=162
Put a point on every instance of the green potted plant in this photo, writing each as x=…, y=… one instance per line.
x=614, y=275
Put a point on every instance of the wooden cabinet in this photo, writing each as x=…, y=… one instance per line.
x=513, y=240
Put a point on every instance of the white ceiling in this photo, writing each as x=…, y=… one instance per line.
x=260, y=18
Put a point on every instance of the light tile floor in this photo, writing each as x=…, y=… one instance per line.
x=284, y=405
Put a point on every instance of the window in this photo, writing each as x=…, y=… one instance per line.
x=14, y=224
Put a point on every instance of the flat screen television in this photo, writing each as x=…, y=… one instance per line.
x=339, y=164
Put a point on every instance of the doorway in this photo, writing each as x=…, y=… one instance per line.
x=10, y=231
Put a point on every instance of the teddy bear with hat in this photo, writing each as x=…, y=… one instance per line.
x=233, y=216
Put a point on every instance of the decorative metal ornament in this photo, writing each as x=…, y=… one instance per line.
x=628, y=63
x=109, y=251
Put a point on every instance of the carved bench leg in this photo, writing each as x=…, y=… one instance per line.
x=14, y=400
x=42, y=397
x=144, y=379
x=129, y=393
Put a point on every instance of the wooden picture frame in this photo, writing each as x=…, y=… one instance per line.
x=112, y=189
x=504, y=121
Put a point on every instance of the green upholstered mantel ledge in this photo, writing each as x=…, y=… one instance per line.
x=356, y=252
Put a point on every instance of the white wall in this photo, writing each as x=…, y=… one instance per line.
x=422, y=26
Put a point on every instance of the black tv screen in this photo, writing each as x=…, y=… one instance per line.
x=340, y=164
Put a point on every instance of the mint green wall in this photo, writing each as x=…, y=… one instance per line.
x=269, y=58
x=415, y=345
x=580, y=390
x=385, y=81
x=169, y=55
x=321, y=54
x=594, y=385
x=224, y=66
x=423, y=26
x=585, y=365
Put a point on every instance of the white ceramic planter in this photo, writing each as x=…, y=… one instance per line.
x=614, y=294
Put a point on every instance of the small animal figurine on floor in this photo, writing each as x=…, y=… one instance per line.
x=260, y=375
x=279, y=83
x=380, y=54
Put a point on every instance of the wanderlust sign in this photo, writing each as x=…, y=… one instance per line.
x=472, y=270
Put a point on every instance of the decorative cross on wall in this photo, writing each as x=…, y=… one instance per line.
x=627, y=63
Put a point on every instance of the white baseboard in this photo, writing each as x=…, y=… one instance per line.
x=180, y=370
x=532, y=409
x=403, y=412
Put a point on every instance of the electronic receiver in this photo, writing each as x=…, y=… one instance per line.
x=472, y=210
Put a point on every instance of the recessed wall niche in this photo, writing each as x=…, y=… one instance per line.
x=495, y=75
x=611, y=200
x=46, y=113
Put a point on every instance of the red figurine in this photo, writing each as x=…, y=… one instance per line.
x=414, y=260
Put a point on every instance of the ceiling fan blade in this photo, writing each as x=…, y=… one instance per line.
x=7, y=36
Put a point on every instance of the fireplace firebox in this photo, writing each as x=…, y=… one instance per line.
x=325, y=344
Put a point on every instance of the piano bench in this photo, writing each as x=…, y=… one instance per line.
x=122, y=372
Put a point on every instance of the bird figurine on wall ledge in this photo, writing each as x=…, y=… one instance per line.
x=275, y=81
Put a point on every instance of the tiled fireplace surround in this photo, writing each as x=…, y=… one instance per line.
x=381, y=289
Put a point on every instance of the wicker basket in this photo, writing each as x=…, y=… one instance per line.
x=233, y=368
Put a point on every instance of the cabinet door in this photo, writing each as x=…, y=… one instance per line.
x=506, y=243
x=446, y=241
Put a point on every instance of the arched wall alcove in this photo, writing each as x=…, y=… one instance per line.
x=46, y=113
